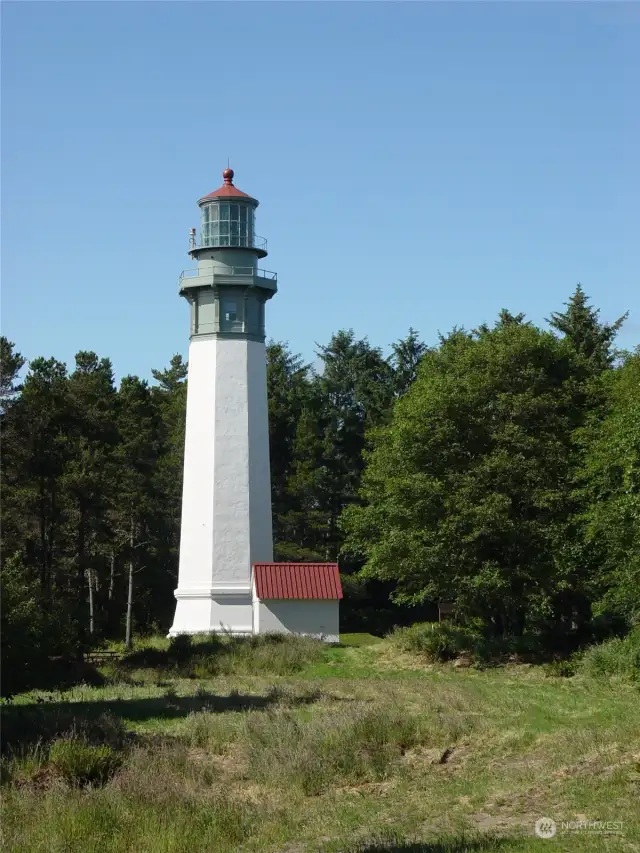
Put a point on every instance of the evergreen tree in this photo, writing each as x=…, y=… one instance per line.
x=139, y=425
x=464, y=489
x=35, y=454
x=288, y=392
x=576, y=554
x=356, y=387
x=304, y=523
x=11, y=363
x=90, y=476
x=405, y=358
x=582, y=327
x=170, y=397
x=35, y=530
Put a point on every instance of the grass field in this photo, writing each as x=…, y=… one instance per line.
x=291, y=746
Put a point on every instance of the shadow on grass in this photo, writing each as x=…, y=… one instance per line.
x=459, y=845
x=185, y=657
x=25, y=725
x=184, y=649
x=205, y=656
x=56, y=673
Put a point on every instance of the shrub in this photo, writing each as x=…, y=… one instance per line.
x=618, y=656
x=81, y=763
x=24, y=765
x=106, y=729
x=444, y=641
x=561, y=668
x=6, y=771
x=436, y=641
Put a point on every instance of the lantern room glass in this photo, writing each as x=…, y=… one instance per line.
x=226, y=224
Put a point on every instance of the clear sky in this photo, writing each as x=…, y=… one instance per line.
x=417, y=164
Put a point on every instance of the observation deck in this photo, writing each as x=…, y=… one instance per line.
x=200, y=277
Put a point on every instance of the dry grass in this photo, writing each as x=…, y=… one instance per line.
x=348, y=755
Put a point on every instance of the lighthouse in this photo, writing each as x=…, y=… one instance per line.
x=226, y=498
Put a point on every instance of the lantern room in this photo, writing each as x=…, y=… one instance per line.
x=228, y=218
x=225, y=224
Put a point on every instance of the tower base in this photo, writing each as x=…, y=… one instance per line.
x=213, y=611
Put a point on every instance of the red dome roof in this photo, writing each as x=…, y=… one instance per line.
x=228, y=190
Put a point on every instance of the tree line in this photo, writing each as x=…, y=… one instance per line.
x=498, y=469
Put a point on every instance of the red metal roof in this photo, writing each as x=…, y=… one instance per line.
x=297, y=580
x=228, y=190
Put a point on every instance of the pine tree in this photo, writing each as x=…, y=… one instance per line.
x=582, y=327
x=11, y=363
x=288, y=392
x=356, y=387
x=139, y=426
x=34, y=459
x=577, y=557
x=170, y=398
x=406, y=356
x=90, y=476
x=304, y=523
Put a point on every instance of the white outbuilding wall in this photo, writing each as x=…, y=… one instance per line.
x=310, y=617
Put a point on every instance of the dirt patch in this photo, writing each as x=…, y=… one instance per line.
x=379, y=789
x=421, y=756
x=42, y=779
x=390, y=658
x=597, y=763
x=260, y=797
x=230, y=763
x=502, y=823
x=453, y=757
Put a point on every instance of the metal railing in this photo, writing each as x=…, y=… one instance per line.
x=229, y=271
x=226, y=242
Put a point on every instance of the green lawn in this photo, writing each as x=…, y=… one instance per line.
x=294, y=747
x=359, y=640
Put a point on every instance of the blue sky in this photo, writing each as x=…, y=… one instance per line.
x=418, y=164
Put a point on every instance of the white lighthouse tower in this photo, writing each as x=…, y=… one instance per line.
x=226, y=499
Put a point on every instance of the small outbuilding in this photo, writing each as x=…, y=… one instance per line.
x=297, y=598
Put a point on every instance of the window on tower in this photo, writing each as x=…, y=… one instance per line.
x=227, y=225
x=230, y=312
